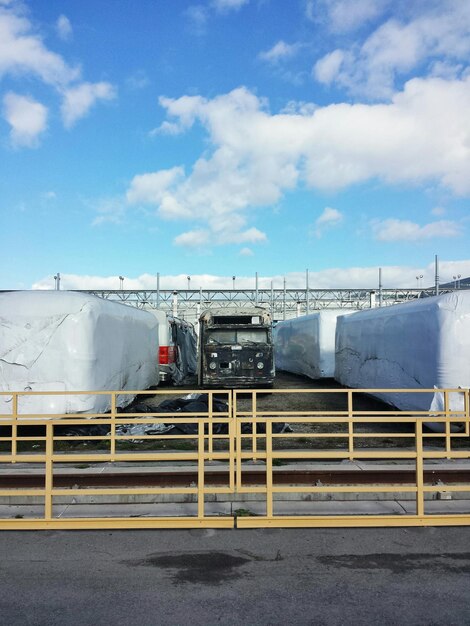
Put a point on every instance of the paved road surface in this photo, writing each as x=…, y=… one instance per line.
x=306, y=576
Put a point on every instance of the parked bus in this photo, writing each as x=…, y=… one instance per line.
x=236, y=349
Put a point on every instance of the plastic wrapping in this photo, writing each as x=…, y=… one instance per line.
x=66, y=341
x=419, y=344
x=179, y=336
x=306, y=345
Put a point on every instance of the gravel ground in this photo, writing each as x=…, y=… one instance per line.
x=279, y=403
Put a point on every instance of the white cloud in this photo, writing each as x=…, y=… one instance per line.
x=217, y=237
x=446, y=69
x=151, y=188
x=228, y=5
x=197, y=16
x=394, y=276
x=438, y=211
x=246, y=252
x=328, y=219
x=405, y=230
x=327, y=68
x=183, y=109
x=22, y=51
x=310, y=10
x=110, y=210
x=27, y=118
x=138, y=80
x=396, y=48
x=64, y=28
x=80, y=99
x=294, y=107
x=167, y=128
x=193, y=239
x=251, y=235
x=252, y=157
x=280, y=51
x=345, y=15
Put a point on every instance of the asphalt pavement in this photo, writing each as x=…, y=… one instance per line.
x=269, y=576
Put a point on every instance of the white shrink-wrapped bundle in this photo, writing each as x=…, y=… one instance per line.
x=306, y=345
x=66, y=341
x=420, y=344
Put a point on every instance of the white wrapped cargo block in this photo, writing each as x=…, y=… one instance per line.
x=419, y=344
x=66, y=341
x=306, y=345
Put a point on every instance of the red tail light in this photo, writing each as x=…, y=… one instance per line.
x=166, y=355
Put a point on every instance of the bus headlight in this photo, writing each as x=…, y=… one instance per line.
x=260, y=365
x=212, y=365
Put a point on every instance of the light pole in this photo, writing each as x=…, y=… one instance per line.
x=189, y=282
x=380, y=287
x=457, y=281
x=233, y=282
x=121, y=282
x=284, y=300
x=57, y=281
x=418, y=278
x=307, y=293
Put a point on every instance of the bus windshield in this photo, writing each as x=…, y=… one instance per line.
x=237, y=336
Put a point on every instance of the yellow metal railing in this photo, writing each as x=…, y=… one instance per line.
x=233, y=442
x=46, y=451
x=349, y=434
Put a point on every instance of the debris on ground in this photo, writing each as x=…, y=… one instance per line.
x=191, y=403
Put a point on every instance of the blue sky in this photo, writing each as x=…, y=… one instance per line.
x=223, y=137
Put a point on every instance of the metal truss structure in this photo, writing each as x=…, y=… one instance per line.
x=284, y=303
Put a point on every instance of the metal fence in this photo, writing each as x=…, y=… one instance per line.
x=350, y=434
x=217, y=450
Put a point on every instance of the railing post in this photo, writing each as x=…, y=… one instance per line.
x=238, y=446
x=447, y=424
x=232, y=433
x=350, y=426
x=210, y=430
x=269, y=469
x=200, y=469
x=112, y=447
x=14, y=428
x=254, y=430
x=466, y=401
x=48, y=482
x=419, y=468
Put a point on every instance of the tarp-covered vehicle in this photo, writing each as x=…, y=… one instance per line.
x=67, y=341
x=177, y=353
x=306, y=345
x=420, y=344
